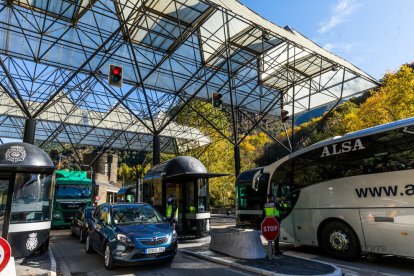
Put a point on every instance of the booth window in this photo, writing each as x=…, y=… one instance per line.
x=202, y=195
x=190, y=197
x=4, y=187
x=152, y=193
x=32, y=198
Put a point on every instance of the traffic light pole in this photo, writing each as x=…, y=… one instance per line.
x=29, y=131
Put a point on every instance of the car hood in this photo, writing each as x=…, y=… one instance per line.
x=145, y=230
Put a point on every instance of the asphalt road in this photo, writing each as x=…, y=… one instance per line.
x=72, y=260
x=386, y=265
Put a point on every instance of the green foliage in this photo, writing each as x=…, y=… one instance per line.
x=393, y=101
x=128, y=174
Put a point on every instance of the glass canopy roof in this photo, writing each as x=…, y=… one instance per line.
x=55, y=56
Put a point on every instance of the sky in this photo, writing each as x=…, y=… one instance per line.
x=377, y=36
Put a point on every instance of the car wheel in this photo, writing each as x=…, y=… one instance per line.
x=72, y=232
x=340, y=241
x=88, y=247
x=81, y=236
x=109, y=261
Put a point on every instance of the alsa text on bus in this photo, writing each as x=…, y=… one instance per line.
x=342, y=148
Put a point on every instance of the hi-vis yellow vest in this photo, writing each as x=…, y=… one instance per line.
x=270, y=210
x=169, y=211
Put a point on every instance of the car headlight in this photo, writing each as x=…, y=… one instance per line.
x=57, y=215
x=123, y=238
x=174, y=236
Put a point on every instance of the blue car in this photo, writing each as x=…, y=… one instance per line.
x=129, y=234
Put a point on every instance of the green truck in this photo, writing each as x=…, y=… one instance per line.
x=73, y=191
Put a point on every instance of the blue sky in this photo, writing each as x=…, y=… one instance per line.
x=375, y=35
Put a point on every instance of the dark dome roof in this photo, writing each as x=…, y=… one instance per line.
x=181, y=167
x=183, y=164
x=24, y=157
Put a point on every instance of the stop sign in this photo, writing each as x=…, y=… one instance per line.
x=270, y=228
x=5, y=252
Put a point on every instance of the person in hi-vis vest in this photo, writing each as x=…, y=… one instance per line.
x=273, y=209
x=172, y=209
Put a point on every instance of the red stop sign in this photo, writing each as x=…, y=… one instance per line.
x=5, y=252
x=270, y=228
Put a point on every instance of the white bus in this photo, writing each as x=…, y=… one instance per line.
x=348, y=194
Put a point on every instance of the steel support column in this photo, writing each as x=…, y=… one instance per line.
x=237, y=159
x=29, y=131
x=156, y=150
x=137, y=185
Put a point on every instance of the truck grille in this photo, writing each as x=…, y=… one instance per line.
x=72, y=205
x=67, y=216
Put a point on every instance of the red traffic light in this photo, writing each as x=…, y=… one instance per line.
x=216, y=100
x=115, y=75
x=117, y=70
x=284, y=115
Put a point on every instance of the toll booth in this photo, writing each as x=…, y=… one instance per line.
x=126, y=194
x=187, y=178
x=26, y=187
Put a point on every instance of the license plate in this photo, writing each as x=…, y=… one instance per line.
x=154, y=250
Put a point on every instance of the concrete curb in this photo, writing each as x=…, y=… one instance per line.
x=337, y=270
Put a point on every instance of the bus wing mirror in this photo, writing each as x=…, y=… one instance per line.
x=255, y=184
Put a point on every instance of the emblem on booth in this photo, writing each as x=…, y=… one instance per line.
x=32, y=242
x=15, y=154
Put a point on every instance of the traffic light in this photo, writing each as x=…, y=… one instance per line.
x=115, y=75
x=216, y=100
x=284, y=115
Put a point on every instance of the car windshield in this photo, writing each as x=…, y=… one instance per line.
x=72, y=191
x=137, y=214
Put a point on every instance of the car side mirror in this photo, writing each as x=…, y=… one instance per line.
x=171, y=220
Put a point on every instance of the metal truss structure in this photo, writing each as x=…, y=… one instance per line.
x=55, y=55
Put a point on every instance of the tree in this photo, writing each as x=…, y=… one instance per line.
x=218, y=157
x=393, y=101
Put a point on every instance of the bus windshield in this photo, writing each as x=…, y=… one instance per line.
x=72, y=192
x=249, y=198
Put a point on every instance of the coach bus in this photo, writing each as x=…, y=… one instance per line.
x=348, y=194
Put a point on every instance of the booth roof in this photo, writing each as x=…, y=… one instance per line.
x=127, y=191
x=180, y=166
x=24, y=157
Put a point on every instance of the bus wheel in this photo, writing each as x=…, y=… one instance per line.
x=340, y=241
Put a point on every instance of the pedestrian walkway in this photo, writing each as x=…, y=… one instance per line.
x=280, y=265
x=39, y=266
